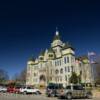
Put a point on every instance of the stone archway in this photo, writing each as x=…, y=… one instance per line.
x=42, y=78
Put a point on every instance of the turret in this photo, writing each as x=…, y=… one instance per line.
x=41, y=56
x=31, y=61
x=51, y=54
x=56, y=41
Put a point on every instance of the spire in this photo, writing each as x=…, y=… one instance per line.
x=57, y=37
x=57, y=32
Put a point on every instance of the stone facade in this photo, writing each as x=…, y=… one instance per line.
x=56, y=64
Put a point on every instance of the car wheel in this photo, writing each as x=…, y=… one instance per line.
x=24, y=92
x=69, y=96
x=49, y=95
x=38, y=92
x=53, y=95
x=89, y=96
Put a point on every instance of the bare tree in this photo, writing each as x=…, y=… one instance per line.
x=3, y=76
x=97, y=71
x=20, y=78
x=23, y=76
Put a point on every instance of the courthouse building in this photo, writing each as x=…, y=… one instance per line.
x=56, y=64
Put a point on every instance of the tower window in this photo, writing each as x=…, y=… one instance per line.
x=65, y=60
x=60, y=62
x=68, y=59
x=50, y=55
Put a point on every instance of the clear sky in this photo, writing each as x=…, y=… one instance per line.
x=27, y=27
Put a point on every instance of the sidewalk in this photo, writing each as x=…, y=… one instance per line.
x=43, y=91
x=96, y=93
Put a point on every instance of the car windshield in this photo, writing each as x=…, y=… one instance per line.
x=78, y=87
x=29, y=87
x=55, y=86
x=68, y=87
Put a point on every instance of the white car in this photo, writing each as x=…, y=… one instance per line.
x=29, y=90
x=3, y=89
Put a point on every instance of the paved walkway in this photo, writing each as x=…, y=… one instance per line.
x=96, y=93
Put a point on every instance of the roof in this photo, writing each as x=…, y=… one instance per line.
x=50, y=50
x=42, y=53
x=31, y=59
x=83, y=58
x=68, y=45
x=56, y=37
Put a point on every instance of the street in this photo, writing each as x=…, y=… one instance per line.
x=6, y=96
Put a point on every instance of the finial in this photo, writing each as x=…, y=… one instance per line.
x=57, y=32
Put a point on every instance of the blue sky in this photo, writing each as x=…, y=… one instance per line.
x=27, y=27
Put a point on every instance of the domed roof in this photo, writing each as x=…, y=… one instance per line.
x=31, y=59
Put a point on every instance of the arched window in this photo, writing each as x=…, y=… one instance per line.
x=57, y=71
x=42, y=77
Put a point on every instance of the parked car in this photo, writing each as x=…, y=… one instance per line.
x=17, y=89
x=52, y=89
x=3, y=89
x=10, y=89
x=29, y=90
x=75, y=91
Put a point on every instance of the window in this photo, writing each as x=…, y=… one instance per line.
x=50, y=55
x=57, y=71
x=72, y=68
x=61, y=70
x=41, y=58
x=51, y=71
x=65, y=61
x=68, y=69
x=41, y=65
x=50, y=78
x=55, y=63
x=29, y=88
x=65, y=69
x=66, y=77
x=77, y=87
x=68, y=59
x=60, y=62
x=68, y=87
x=61, y=79
x=72, y=58
x=34, y=74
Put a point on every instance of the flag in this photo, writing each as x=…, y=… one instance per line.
x=92, y=62
x=91, y=53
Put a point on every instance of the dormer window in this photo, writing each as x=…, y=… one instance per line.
x=41, y=58
x=50, y=55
